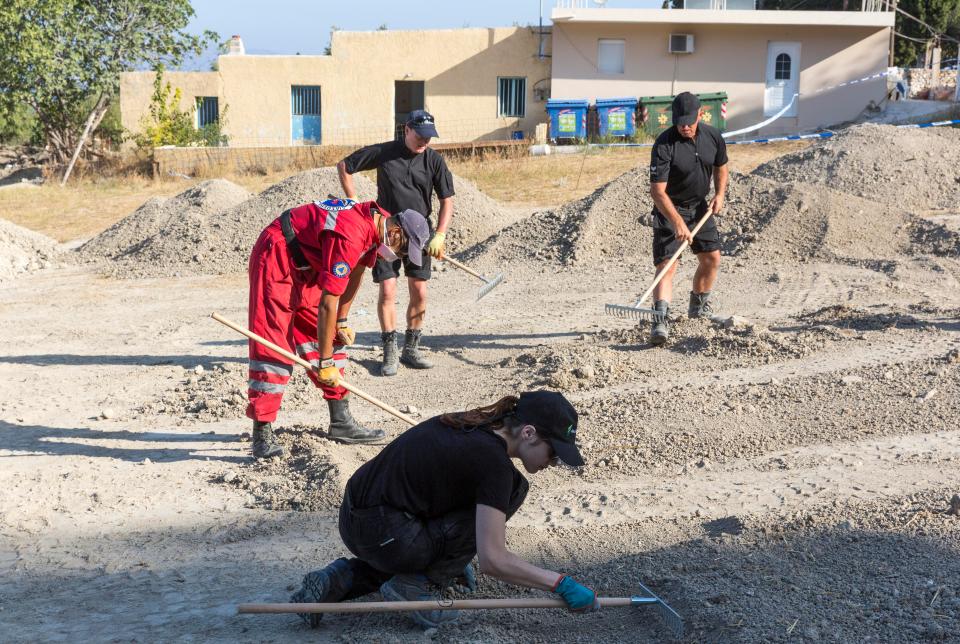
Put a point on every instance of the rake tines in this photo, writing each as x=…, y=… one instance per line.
x=491, y=284
x=633, y=312
x=669, y=616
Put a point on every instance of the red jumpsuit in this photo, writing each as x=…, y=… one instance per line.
x=335, y=236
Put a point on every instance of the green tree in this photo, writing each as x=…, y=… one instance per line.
x=942, y=15
x=166, y=124
x=63, y=59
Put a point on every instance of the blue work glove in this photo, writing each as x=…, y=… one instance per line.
x=579, y=598
x=467, y=582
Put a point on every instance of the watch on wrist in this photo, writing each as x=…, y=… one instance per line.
x=327, y=362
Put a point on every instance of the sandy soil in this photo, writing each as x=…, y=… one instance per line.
x=785, y=479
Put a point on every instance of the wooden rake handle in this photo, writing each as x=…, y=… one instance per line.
x=465, y=268
x=405, y=606
x=673, y=258
x=309, y=367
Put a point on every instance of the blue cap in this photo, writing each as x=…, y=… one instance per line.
x=422, y=123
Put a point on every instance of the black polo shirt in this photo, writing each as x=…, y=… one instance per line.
x=431, y=470
x=686, y=165
x=404, y=179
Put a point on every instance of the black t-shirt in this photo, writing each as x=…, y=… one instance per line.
x=686, y=165
x=431, y=470
x=404, y=179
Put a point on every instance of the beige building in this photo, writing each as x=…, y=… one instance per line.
x=478, y=83
x=761, y=59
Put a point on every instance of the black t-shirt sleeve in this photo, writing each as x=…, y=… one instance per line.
x=366, y=158
x=442, y=178
x=495, y=487
x=721, y=150
x=660, y=158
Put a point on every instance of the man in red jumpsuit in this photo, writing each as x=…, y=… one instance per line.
x=305, y=270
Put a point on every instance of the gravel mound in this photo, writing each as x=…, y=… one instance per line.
x=311, y=478
x=906, y=167
x=612, y=224
x=165, y=236
x=208, y=229
x=475, y=215
x=25, y=251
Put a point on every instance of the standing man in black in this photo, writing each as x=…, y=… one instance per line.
x=408, y=171
x=681, y=165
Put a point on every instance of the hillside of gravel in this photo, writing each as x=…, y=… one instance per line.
x=25, y=251
x=612, y=224
x=908, y=168
x=475, y=216
x=165, y=233
x=208, y=229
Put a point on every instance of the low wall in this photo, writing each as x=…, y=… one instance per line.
x=215, y=162
x=923, y=80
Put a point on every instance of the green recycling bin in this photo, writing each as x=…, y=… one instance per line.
x=656, y=112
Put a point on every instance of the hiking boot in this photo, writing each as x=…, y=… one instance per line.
x=345, y=428
x=265, y=444
x=661, y=328
x=389, y=367
x=418, y=588
x=411, y=355
x=331, y=584
x=700, y=306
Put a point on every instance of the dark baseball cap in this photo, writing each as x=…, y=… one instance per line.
x=422, y=123
x=555, y=420
x=417, y=231
x=686, y=107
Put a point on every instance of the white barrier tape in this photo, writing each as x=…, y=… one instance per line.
x=757, y=126
x=792, y=137
x=933, y=124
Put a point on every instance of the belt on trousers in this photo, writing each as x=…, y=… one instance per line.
x=293, y=245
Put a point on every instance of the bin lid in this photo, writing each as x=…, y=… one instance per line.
x=713, y=96
x=567, y=102
x=649, y=100
x=616, y=102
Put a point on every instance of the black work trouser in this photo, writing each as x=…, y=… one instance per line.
x=387, y=541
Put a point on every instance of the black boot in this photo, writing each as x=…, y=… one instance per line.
x=700, y=306
x=389, y=367
x=331, y=584
x=265, y=444
x=661, y=328
x=344, y=427
x=411, y=355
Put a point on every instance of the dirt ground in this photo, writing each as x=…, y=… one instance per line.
x=783, y=476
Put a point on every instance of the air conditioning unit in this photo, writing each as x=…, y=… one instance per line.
x=681, y=44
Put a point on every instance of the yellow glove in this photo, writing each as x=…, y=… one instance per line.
x=435, y=249
x=329, y=375
x=345, y=335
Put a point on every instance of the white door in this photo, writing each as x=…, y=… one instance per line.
x=783, y=78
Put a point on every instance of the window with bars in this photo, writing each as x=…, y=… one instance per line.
x=781, y=69
x=306, y=100
x=208, y=110
x=512, y=96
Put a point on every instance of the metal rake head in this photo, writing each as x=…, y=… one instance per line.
x=491, y=284
x=669, y=616
x=634, y=312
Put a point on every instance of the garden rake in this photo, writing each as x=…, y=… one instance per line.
x=643, y=313
x=488, y=284
x=671, y=619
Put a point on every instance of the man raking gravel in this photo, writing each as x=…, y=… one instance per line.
x=682, y=163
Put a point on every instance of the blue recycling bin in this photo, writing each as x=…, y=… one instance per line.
x=568, y=118
x=617, y=116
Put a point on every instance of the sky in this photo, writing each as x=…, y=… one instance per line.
x=291, y=26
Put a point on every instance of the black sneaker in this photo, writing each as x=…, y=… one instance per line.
x=418, y=588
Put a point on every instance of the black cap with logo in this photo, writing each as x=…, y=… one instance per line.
x=686, y=107
x=555, y=420
x=421, y=121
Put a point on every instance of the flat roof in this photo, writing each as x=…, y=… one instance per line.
x=725, y=17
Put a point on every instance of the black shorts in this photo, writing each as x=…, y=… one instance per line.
x=384, y=270
x=666, y=244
